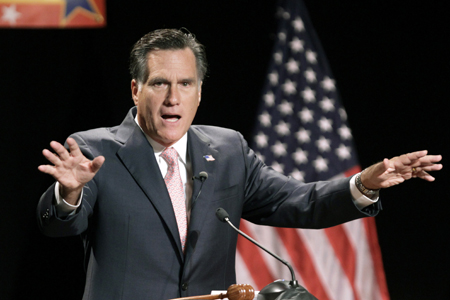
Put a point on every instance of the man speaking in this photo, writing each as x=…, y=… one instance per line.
x=143, y=194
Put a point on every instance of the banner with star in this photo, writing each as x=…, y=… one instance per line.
x=302, y=131
x=52, y=13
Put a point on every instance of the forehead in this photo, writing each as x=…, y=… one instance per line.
x=180, y=62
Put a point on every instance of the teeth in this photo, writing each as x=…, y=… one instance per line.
x=172, y=119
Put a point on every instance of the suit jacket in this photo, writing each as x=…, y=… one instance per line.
x=127, y=222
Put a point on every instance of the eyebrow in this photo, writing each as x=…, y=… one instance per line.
x=164, y=80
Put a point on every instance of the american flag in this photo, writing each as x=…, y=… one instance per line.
x=302, y=131
x=52, y=13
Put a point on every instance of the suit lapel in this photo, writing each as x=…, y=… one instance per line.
x=198, y=147
x=138, y=157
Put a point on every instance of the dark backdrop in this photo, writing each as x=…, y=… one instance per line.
x=391, y=64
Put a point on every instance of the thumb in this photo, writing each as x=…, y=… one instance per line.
x=97, y=163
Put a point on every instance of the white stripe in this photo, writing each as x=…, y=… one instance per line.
x=243, y=275
x=327, y=266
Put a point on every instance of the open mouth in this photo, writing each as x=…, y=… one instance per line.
x=171, y=118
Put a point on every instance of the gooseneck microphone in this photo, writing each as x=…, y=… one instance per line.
x=202, y=176
x=279, y=289
x=224, y=217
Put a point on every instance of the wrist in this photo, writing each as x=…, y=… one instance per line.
x=368, y=192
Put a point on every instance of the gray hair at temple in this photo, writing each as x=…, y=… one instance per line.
x=165, y=39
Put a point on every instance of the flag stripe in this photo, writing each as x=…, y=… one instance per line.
x=371, y=232
x=303, y=262
x=254, y=261
x=344, y=252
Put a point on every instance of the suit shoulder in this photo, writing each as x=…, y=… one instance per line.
x=217, y=134
x=96, y=134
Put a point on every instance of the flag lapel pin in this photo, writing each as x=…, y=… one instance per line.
x=209, y=158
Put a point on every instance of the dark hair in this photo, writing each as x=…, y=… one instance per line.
x=164, y=39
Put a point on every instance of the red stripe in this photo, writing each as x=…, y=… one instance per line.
x=372, y=238
x=254, y=261
x=302, y=262
x=352, y=171
x=345, y=253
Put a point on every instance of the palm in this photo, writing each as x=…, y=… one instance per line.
x=72, y=170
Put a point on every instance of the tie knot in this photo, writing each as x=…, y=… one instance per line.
x=170, y=155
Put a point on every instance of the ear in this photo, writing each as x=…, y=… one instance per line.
x=135, y=91
x=200, y=92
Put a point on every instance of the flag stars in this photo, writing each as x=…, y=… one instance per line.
x=261, y=140
x=309, y=95
x=278, y=167
x=311, y=56
x=328, y=84
x=278, y=57
x=343, y=152
x=279, y=149
x=273, y=78
x=298, y=25
x=321, y=164
x=325, y=124
x=286, y=108
x=283, y=128
x=296, y=45
x=306, y=115
x=345, y=133
x=289, y=87
x=293, y=66
x=300, y=156
x=303, y=136
x=269, y=99
x=299, y=175
x=10, y=14
x=310, y=75
x=323, y=144
x=265, y=119
x=282, y=37
x=327, y=104
x=343, y=114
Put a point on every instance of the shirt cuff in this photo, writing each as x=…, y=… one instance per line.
x=359, y=198
x=63, y=208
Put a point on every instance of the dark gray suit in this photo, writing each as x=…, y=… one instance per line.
x=126, y=218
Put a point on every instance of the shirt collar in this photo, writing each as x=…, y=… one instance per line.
x=180, y=146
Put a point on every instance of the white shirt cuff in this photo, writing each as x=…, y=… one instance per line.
x=359, y=198
x=63, y=208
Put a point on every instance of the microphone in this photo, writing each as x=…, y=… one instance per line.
x=291, y=290
x=202, y=176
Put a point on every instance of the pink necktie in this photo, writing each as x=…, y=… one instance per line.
x=176, y=192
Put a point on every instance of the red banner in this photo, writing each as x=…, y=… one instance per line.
x=52, y=13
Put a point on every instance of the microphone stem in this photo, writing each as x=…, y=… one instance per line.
x=294, y=281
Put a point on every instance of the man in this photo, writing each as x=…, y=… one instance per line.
x=150, y=231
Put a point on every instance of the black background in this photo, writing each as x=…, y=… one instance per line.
x=390, y=61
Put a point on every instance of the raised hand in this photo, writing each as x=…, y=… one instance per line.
x=393, y=171
x=71, y=169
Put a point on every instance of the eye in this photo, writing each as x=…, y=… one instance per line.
x=186, y=84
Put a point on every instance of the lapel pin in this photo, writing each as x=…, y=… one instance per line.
x=209, y=158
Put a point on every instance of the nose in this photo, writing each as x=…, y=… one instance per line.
x=173, y=96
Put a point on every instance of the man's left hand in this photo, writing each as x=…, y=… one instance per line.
x=393, y=171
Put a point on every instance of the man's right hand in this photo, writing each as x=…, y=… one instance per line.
x=71, y=169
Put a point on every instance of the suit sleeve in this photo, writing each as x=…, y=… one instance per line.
x=277, y=200
x=49, y=222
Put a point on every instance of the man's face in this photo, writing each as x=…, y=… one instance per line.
x=168, y=100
